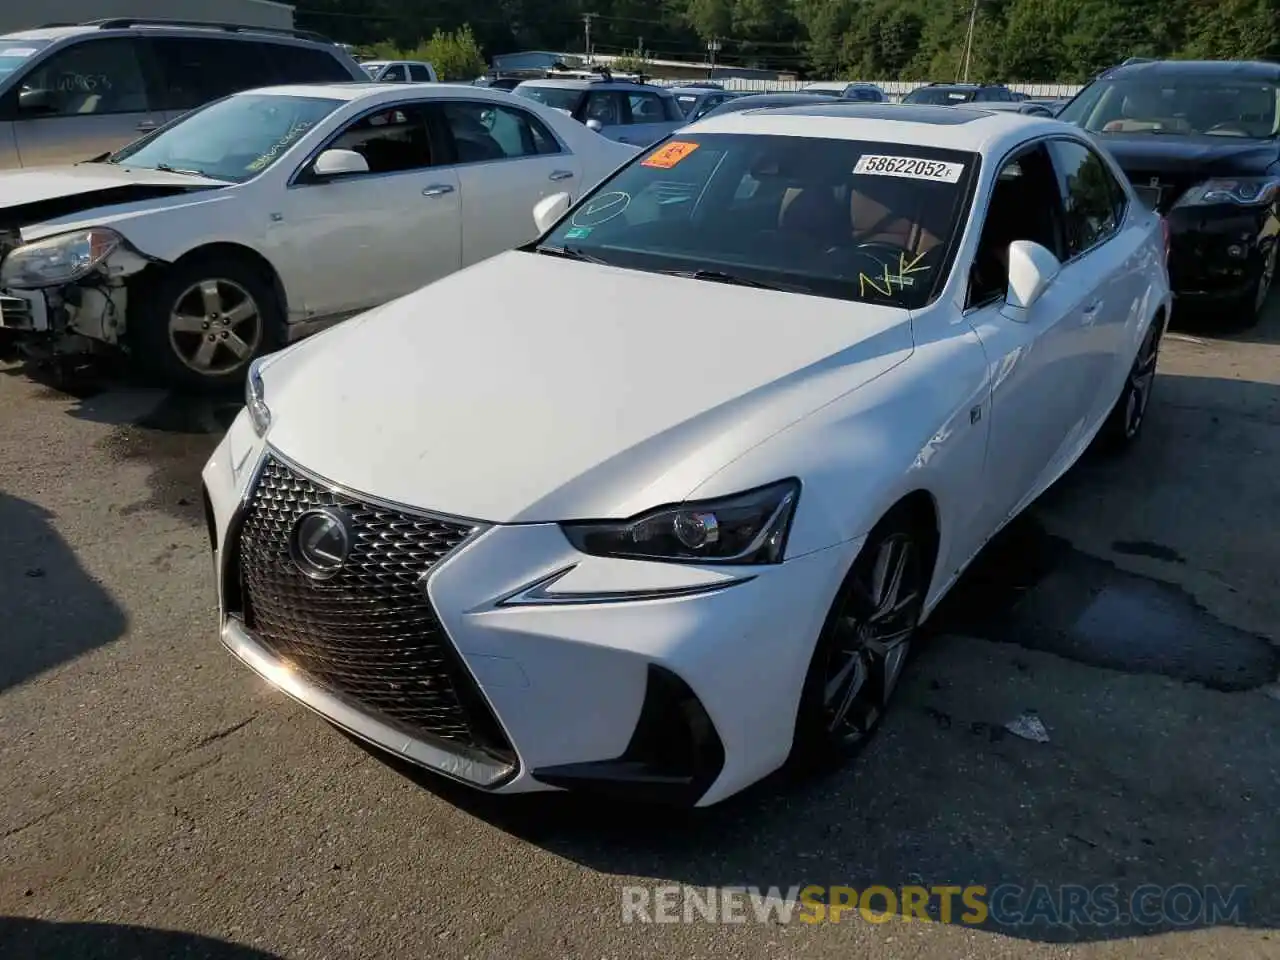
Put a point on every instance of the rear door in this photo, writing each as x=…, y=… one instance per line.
x=85, y=99
x=420, y=73
x=506, y=160
x=196, y=70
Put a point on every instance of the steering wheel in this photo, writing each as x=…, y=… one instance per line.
x=890, y=255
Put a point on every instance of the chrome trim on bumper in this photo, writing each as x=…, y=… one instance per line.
x=466, y=769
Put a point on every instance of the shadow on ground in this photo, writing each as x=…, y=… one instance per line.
x=24, y=939
x=52, y=610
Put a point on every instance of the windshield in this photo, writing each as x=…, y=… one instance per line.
x=847, y=219
x=561, y=98
x=1185, y=105
x=233, y=139
x=14, y=53
x=938, y=97
x=371, y=67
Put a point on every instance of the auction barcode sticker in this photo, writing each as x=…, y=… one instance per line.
x=910, y=167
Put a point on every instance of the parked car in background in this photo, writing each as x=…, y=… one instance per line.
x=1014, y=106
x=1200, y=141
x=400, y=71
x=769, y=101
x=862, y=92
x=628, y=111
x=72, y=92
x=1054, y=105
x=695, y=101
x=492, y=534
x=248, y=222
x=498, y=83
x=950, y=94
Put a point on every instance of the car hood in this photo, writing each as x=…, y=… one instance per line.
x=33, y=196
x=529, y=388
x=1188, y=156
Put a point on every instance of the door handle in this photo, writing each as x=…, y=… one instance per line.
x=561, y=175
x=437, y=190
x=147, y=125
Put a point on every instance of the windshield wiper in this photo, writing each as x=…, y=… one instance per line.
x=571, y=253
x=165, y=168
x=719, y=276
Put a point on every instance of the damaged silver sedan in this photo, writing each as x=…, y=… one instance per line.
x=256, y=219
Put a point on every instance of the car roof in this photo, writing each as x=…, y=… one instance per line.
x=1237, y=69
x=584, y=84
x=63, y=31
x=974, y=130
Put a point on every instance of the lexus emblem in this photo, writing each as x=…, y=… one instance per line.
x=320, y=542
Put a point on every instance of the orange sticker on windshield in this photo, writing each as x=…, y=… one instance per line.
x=668, y=155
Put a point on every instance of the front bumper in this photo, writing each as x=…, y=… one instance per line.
x=658, y=681
x=1216, y=254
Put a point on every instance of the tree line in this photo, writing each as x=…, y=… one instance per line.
x=1013, y=40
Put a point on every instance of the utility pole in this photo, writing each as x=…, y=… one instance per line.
x=968, y=43
x=586, y=29
x=712, y=49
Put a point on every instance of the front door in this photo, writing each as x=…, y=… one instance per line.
x=355, y=241
x=87, y=99
x=507, y=160
x=1036, y=362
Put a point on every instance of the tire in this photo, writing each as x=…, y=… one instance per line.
x=198, y=325
x=865, y=643
x=1254, y=304
x=1124, y=424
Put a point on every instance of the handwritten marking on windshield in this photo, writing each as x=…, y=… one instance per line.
x=884, y=284
x=298, y=128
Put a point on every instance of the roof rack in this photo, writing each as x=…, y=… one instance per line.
x=121, y=23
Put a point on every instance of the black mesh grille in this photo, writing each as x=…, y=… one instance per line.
x=368, y=634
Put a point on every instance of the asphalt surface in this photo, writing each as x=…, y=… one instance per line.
x=160, y=801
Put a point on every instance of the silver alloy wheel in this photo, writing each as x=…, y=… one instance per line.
x=874, y=636
x=1142, y=377
x=215, y=326
x=1268, y=277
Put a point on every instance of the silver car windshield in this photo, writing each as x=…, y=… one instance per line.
x=233, y=139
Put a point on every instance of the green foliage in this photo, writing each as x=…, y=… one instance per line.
x=631, y=62
x=1028, y=40
x=455, y=55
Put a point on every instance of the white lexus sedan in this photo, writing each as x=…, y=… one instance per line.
x=658, y=501
x=249, y=222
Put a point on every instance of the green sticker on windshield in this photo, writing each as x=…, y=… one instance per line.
x=577, y=233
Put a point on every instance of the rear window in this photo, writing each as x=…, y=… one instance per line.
x=847, y=219
x=14, y=53
x=936, y=97
x=686, y=102
x=298, y=64
x=559, y=98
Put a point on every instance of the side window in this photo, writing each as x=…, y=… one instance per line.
x=603, y=105
x=1025, y=204
x=396, y=74
x=391, y=140
x=419, y=74
x=646, y=108
x=488, y=131
x=194, y=71
x=295, y=63
x=1089, y=195
x=92, y=77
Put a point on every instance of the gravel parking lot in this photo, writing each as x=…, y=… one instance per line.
x=160, y=801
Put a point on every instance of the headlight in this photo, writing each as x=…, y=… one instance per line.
x=255, y=398
x=57, y=260
x=748, y=527
x=1246, y=191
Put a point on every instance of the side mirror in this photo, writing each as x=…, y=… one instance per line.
x=334, y=163
x=549, y=210
x=594, y=124
x=36, y=101
x=1031, y=269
